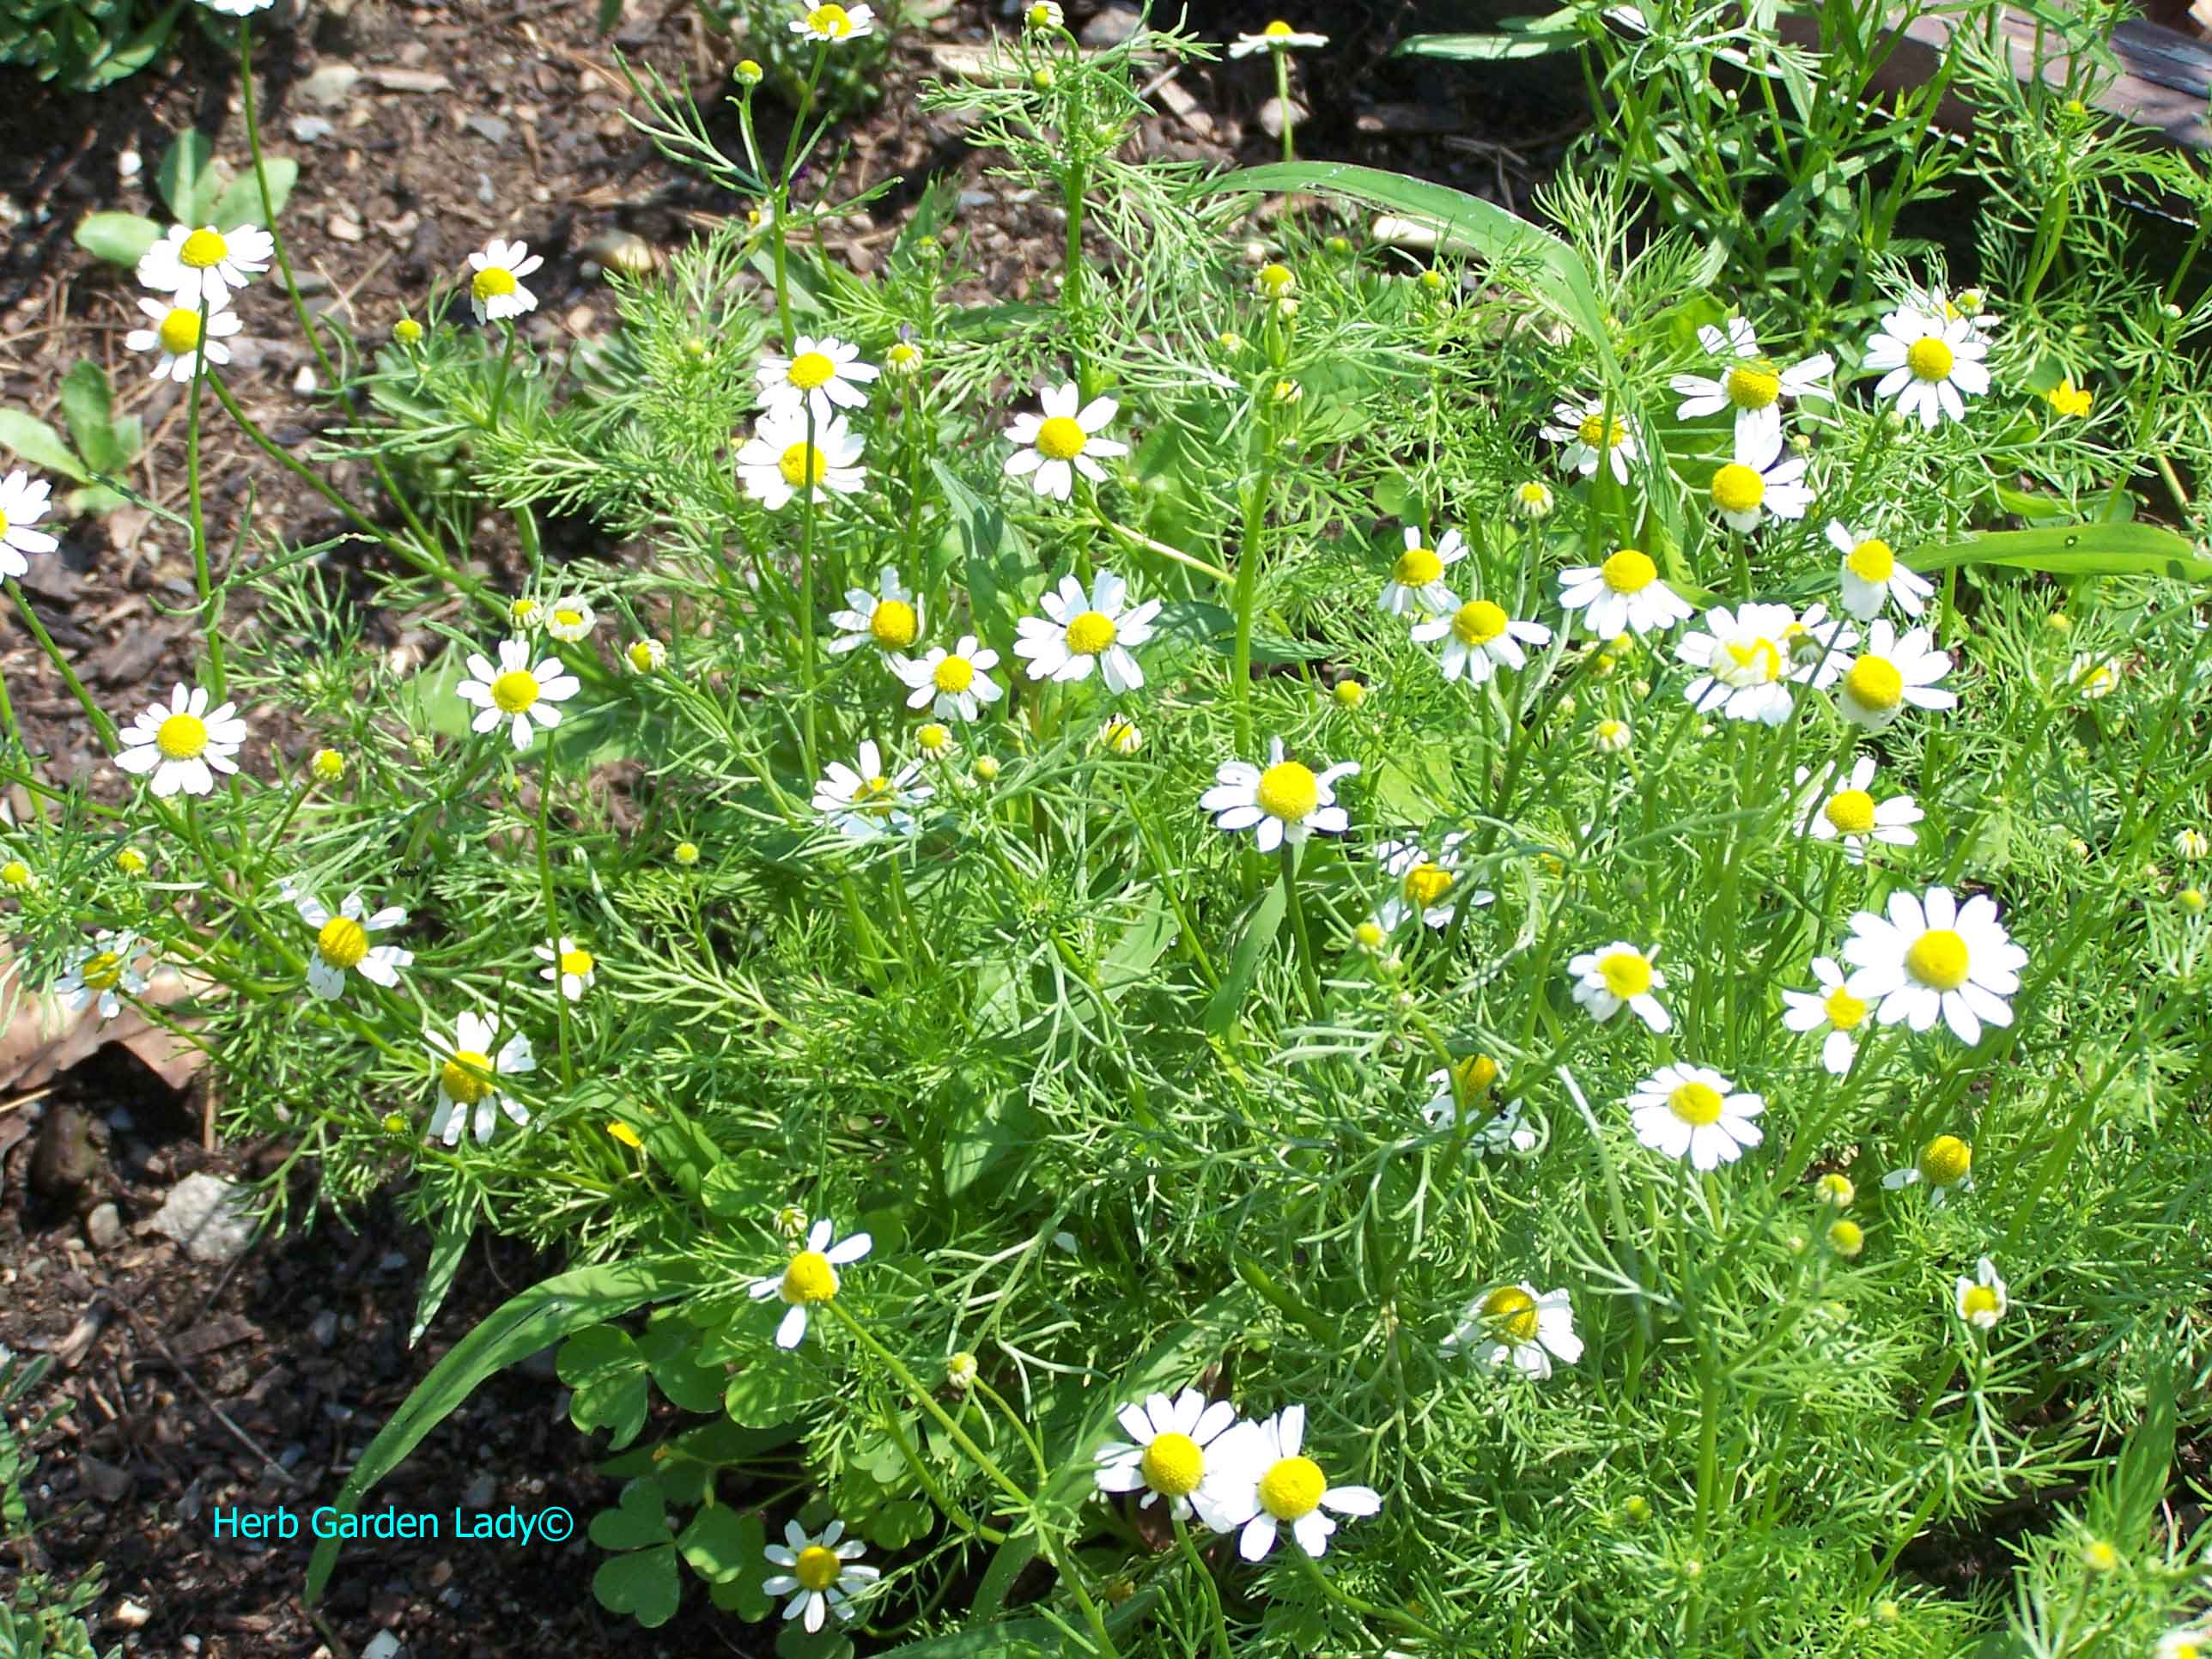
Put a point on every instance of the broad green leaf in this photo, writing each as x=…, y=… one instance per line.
x=39, y=445
x=643, y=1584
x=638, y=1521
x=89, y=405
x=770, y=1392
x=670, y=1347
x=1003, y=572
x=121, y=239
x=2089, y=549
x=1261, y=923
x=1517, y=37
x=794, y=1641
x=722, y=1544
x=240, y=203
x=603, y=1365
x=134, y=54
x=1201, y=622
x=187, y=179
x=1142, y=942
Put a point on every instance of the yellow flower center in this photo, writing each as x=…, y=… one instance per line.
x=1478, y=622
x=1751, y=386
x=874, y=795
x=1749, y=662
x=1278, y=30
x=1292, y=1487
x=576, y=962
x=1276, y=279
x=523, y=611
x=903, y=355
x=466, y=1076
x=1599, y=432
x=102, y=972
x=1938, y=959
x=203, y=248
x=810, y=1278
x=1425, y=883
x=802, y=465
x=492, y=282
x=810, y=369
x=1697, y=1103
x=568, y=618
x=1090, y=634
x=816, y=1568
x=16, y=873
x=1872, y=560
x=1844, y=1012
x=1980, y=1299
x=893, y=623
x=1174, y=1465
x=934, y=737
x=1628, y=571
x=1945, y=1160
x=1626, y=974
x=1289, y=791
x=342, y=942
x=1851, y=812
x=1738, y=488
x=180, y=331
x=1511, y=1312
x=182, y=736
x=1930, y=359
x=514, y=690
x=1060, y=439
x=1473, y=1074
x=954, y=674
x=1875, y=682
x=1846, y=1238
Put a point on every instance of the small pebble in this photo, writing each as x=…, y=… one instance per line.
x=382, y=1645
x=324, y=1328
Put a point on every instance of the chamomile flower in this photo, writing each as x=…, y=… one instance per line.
x=238, y=8
x=570, y=619
x=1760, y=482
x=870, y=802
x=101, y=972
x=1421, y=885
x=1533, y=501
x=1946, y=1166
x=647, y=656
x=2094, y=677
x=469, y=1076
x=1834, y=1009
x=1894, y=672
x=1968, y=305
x=822, y=1575
x=1277, y=36
x=569, y=963
x=810, y=1279
x=2191, y=1642
x=777, y=462
x=1284, y=802
x=1622, y=595
x=182, y=744
x=205, y=264
x=1981, y=1300
x=1165, y=1453
x=23, y=502
x=1590, y=435
x=1077, y=633
x=1928, y=365
x=1872, y=575
x=957, y=683
x=822, y=375
x=1620, y=976
x=1693, y=1112
x=833, y=25
x=180, y=337
x=343, y=942
x=495, y=290
x=1417, y=576
x=1478, y=639
x=1267, y=1483
x=1748, y=668
x=1062, y=441
x=1851, y=813
x=1496, y=1129
x=1751, y=383
x=1933, y=957
x=1519, y=1326
x=890, y=618
x=1612, y=736
x=524, y=696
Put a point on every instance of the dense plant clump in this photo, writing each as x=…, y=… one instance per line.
x=1296, y=947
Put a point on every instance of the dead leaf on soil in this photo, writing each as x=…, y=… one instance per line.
x=43, y=1040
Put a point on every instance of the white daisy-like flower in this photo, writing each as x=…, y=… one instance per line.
x=1751, y=383
x=870, y=802
x=1062, y=441
x=822, y=1575
x=647, y=656
x=1759, y=483
x=23, y=502
x=1277, y=36
x=1611, y=737
x=1519, y=1326
x=1872, y=575
x=1929, y=365
x=238, y=8
x=1817, y=644
x=809, y=1279
x=1267, y=1483
x=822, y=375
x=469, y=1074
x=205, y=264
x=183, y=743
x=570, y=619
x=1533, y=501
x=1747, y=662
x=1498, y=1129
x=180, y=337
x=524, y=695
x=890, y=618
x=957, y=683
x=1286, y=801
x=1851, y=813
x=1478, y=639
x=1833, y=1009
x=1165, y=1453
x=1981, y=1300
x=342, y=942
x=495, y=290
x=2093, y=677
x=1933, y=957
x=1076, y=634
x=1591, y=435
x=1421, y=885
x=1946, y=1166
x=833, y=25
x=1417, y=576
x=569, y=962
x=1620, y=976
x=1933, y=300
x=1624, y=594
x=2190, y=1642
x=103, y=971
x=776, y=463
x=1894, y=672
x=1693, y=1112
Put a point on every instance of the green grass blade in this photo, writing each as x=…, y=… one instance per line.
x=2089, y=549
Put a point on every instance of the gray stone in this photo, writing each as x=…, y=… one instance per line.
x=382, y=1645
x=310, y=129
x=1111, y=26
x=489, y=127
x=104, y=1227
x=330, y=85
x=324, y=1329
x=211, y=1217
x=481, y=1491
